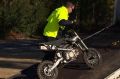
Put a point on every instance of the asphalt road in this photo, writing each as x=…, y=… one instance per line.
x=24, y=54
x=76, y=70
x=79, y=70
x=111, y=62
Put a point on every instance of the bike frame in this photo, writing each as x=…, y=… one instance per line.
x=81, y=45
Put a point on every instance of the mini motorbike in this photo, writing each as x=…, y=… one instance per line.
x=70, y=47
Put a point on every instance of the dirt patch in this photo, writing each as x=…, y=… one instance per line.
x=8, y=72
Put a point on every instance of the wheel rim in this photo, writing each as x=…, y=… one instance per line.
x=92, y=58
x=45, y=73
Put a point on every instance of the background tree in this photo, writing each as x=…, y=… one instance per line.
x=29, y=16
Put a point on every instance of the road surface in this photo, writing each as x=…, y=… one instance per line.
x=22, y=56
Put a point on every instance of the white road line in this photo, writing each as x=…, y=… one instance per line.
x=20, y=60
x=114, y=75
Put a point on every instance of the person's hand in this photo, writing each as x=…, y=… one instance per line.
x=75, y=24
x=74, y=21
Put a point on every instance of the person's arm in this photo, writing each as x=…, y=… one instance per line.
x=65, y=22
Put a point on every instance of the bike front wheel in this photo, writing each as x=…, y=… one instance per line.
x=43, y=72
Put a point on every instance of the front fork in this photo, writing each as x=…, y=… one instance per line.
x=82, y=45
x=55, y=64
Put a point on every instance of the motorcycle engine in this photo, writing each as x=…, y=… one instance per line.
x=71, y=55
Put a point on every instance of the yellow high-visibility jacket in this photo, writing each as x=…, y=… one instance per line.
x=52, y=27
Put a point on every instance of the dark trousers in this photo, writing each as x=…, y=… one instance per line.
x=48, y=39
x=50, y=54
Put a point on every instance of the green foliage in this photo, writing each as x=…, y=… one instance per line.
x=29, y=16
x=23, y=16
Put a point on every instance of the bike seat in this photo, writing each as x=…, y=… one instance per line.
x=56, y=43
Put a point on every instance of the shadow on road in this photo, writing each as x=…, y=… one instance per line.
x=77, y=66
